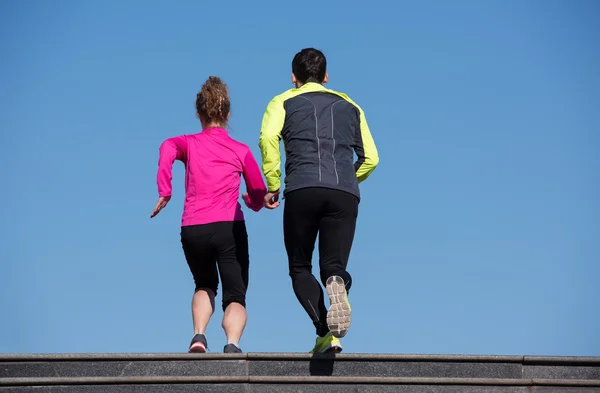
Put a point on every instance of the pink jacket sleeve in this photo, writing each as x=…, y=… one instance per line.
x=255, y=185
x=170, y=150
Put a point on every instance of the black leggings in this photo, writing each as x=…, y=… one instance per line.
x=222, y=244
x=332, y=214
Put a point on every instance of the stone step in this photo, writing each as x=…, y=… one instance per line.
x=275, y=372
x=294, y=384
x=276, y=364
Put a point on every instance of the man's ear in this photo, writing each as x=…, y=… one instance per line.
x=294, y=80
x=326, y=79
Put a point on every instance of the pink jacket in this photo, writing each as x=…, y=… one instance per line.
x=214, y=163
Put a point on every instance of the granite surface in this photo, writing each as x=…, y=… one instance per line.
x=122, y=369
x=283, y=373
x=561, y=372
x=385, y=369
x=273, y=388
x=319, y=366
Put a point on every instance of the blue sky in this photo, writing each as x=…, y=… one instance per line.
x=479, y=233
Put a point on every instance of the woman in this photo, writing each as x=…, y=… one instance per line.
x=213, y=231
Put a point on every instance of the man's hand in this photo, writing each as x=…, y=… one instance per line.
x=272, y=200
x=162, y=202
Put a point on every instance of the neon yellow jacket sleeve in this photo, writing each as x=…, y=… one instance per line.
x=270, y=135
x=370, y=150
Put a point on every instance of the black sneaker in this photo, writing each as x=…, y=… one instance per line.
x=231, y=348
x=198, y=344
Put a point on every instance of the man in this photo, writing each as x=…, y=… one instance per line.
x=321, y=130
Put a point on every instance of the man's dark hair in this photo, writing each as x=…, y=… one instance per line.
x=309, y=65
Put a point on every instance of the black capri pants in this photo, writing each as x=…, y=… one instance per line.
x=219, y=248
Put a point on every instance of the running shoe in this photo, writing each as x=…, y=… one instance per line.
x=339, y=315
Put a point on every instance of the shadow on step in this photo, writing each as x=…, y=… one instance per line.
x=322, y=364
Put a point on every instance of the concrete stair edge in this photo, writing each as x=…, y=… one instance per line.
x=297, y=380
x=523, y=359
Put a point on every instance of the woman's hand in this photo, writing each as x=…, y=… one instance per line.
x=162, y=202
x=249, y=203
